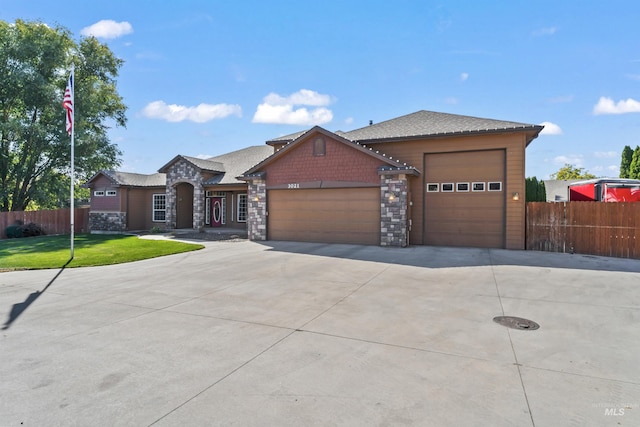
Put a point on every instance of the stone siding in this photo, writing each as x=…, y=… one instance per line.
x=183, y=171
x=108, y=222
x=393, y=210
x=257, y=210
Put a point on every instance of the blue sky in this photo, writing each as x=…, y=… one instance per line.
x=203, y=78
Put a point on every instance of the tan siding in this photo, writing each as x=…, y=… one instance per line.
x=412, y=152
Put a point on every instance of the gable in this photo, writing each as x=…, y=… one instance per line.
x=340, y=162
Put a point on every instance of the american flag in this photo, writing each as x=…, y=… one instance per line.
x=67, y=102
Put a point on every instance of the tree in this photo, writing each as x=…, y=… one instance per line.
x=625, y=163
x=35, y=60
x=571, y=172
x=535, y=190
x=634, y=167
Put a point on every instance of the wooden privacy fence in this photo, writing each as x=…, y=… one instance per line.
x=596, y=228
x=53, y=221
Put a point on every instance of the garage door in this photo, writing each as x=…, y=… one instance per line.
x=464, y=199
x=336, y=215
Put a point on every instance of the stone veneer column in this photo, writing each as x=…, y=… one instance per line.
x=182, y=171
x=257, y=209
x=393, y=210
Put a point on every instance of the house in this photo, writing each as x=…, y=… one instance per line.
x=425, y=178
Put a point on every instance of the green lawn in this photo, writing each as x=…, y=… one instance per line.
x=89, y=250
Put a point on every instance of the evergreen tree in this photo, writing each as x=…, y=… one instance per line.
x=634, y=167
x=535, y=191
x=625, y=163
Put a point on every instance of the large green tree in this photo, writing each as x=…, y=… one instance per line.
x=569, y=171
x=35, y=60
x=634, y=167
x=625, y=162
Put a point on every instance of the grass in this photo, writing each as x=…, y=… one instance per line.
x=89, y=250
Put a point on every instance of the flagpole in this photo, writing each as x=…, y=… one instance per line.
x=73, y=130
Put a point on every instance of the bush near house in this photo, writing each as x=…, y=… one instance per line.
x=18, y=229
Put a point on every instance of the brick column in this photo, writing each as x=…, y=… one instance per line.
x=257, y=209
x=170, y=206
x=198, y=206
x=393, y=210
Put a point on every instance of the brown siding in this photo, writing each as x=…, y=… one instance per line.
x=139, y=207
x=412, y=152
x=105, y=203
x=340, y=163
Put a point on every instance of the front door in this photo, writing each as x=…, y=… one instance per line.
x=217, y=211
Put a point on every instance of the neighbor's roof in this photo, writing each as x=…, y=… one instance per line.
x=426, y=124
x=236, y=162
x=132, y=179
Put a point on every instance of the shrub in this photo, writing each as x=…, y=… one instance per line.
x=19, y=230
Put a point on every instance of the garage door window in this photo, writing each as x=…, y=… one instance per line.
x=477, y=186
x=462, y=187
x=433, y=187
x=447, y=187
x=242, y=208
x=495, y=186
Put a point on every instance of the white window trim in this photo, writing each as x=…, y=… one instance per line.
x=458, y=184
x=437, y=184
x=453, y=187
x=494, y=182
x=238, y=210
x=154, y=210
x=473, y=186
x=98, y=193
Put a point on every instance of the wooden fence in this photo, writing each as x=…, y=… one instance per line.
x=596, y=228
x=53, y=222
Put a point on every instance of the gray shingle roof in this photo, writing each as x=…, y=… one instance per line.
x=287, y=138
x=236, y=162
x=206, y=164
x=429, y=123
x=136, y=179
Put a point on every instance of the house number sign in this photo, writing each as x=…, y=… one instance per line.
x=296, y=185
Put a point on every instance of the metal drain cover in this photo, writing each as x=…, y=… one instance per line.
x=516, y=323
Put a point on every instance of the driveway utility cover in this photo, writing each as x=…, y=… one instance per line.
x=516, y=323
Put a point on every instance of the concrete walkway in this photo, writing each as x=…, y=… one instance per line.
x=243, y=333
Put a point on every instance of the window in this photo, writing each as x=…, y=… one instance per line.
x=495, y=186
x=159, y=207
x=477, y=186
x=242, y=208
x=211, y=193
x=462, y=186
x=319, y=147
x=111, y=193
x=98, y=193
x=447, y=187
x=207, y=210
x=433, y=187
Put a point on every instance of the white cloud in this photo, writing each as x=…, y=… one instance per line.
x=204, y=156
x=607, y=106
x=201, y=113
x=550, y=129
x=279, y=109
x=635, y=77
x=107, y=29
x=614, y=168
x=451, y=100
x=561, y=99
x=348, y=120
x=605, y=154
x=464, y=77
x=547, y=31
x=572, y=159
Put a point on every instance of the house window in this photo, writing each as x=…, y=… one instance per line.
x=211, y=193
x=207, y=210
x=111, y=193
x=477, y=186
x=433, y=187
x=495, y=186
x=159, y=207
x=447, y=187
x=319, y=147
x=98, y=193
x=462, y=186
x=242, y=208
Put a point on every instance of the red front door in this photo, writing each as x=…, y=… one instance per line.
x=216, y=211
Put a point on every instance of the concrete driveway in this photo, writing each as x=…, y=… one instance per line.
x=243, y=333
